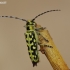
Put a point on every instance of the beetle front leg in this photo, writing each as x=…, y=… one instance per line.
x=37, y=29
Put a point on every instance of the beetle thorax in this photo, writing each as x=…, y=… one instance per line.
x=30, y=26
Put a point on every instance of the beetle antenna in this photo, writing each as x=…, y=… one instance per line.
x=44, y=13
x=14, y=17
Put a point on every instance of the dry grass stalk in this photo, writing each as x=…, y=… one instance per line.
x=52, y=54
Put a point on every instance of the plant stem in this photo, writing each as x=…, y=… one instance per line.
x=52, y=54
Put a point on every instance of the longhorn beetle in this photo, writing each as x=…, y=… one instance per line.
x=32, y=38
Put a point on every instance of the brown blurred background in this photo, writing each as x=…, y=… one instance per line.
x=13, y=48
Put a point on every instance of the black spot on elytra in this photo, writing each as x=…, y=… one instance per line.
x=31, y=41
x=33, y=48
x=26, y=36
x=35, y=44
x=28, y=49
x=35, y=54
x=30, y=35
x=27, y=41
x=36, y=57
